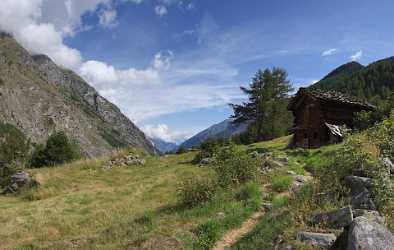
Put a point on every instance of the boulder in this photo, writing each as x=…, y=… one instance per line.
x=368, y=234
x=358, y=184
x=364, y=212
x=321, y=240
x=335, y=219
x=290, y=172
x=20, y=180
x=363, y=200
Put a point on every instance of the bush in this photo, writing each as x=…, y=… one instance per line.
x=250, y=193
x=234, y=166
x=209, y=148
x=196, y=190
x=14, y=146
x=58, y=150
x=280, y=183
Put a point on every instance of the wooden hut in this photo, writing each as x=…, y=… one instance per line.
x=320, y=115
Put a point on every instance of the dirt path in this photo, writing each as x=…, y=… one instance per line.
x=232, y=236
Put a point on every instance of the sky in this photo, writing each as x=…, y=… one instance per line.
x=172, y=66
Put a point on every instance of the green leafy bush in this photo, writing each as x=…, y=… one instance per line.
x=209, y=148
x=196, y=190
x=250, y=193
x=58, y=150
x=280, y=183
x=14, y=146
x=234, y=166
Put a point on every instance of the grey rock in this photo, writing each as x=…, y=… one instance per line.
x=266, y=205
x=364, y=212
x=388, y=163
x=368, y=234
x=357, y=184
x=290, y=172
x=321, y=240
x=20, y=180
x=335, y=219
x=363, y=200
x=220, y=215
x=282, y=159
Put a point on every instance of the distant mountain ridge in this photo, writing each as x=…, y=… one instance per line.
x=366, y=82
x=224, y=129
x=164, y=146
x=39, y=97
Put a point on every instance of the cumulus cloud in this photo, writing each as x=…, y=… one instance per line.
x=357, y=56
x=169, y=84
x=161, y=10
x=163, y=132
x=329, y=52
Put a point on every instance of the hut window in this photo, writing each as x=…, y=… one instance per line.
x=315, y=135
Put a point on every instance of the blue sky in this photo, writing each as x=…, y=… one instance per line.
x=173, y=65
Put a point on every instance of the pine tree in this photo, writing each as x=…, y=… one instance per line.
x=266, y=108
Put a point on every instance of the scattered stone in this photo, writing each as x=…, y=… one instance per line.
x=298, y=183
x=290, y=172
x=335, y=219
x=321, y=240
x=363, y=201
x=367, y=234
x=266, y=205
x=20, y=180
x=128, y=160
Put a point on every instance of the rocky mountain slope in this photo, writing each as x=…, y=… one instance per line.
x=224, y=129
x=39, y=97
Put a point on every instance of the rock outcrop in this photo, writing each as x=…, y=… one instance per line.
x=20, y=180
x=39, y=97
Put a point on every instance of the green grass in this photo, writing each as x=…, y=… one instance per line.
x=81, y=205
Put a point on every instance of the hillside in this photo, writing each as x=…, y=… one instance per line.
x=376, y=79
x=222, y=130
x=39, y=97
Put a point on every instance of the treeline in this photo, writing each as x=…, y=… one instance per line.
x=18, y=151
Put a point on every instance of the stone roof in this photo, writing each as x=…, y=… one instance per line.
x=331, y=96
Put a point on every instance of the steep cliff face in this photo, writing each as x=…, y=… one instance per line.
x=40, y=97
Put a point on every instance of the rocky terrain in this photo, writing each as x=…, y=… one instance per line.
x=39, y=97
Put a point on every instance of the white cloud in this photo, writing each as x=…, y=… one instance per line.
x=329, y=52
x=107, y=18
x=161, y=10
x=162, y=131
x=169, y=84
x=357, y=56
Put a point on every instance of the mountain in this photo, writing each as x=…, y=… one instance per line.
x=39, y=97
x=374, y=80
x=164, y=146
x=224, y=129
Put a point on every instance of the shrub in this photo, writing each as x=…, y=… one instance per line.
x=234, y=166
x=250, y=193
x=208, y=148
x=207, y=233
x=14, y=146
x=181, y=150
x=196, y=190
x=58, y=150
x=280, y=183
